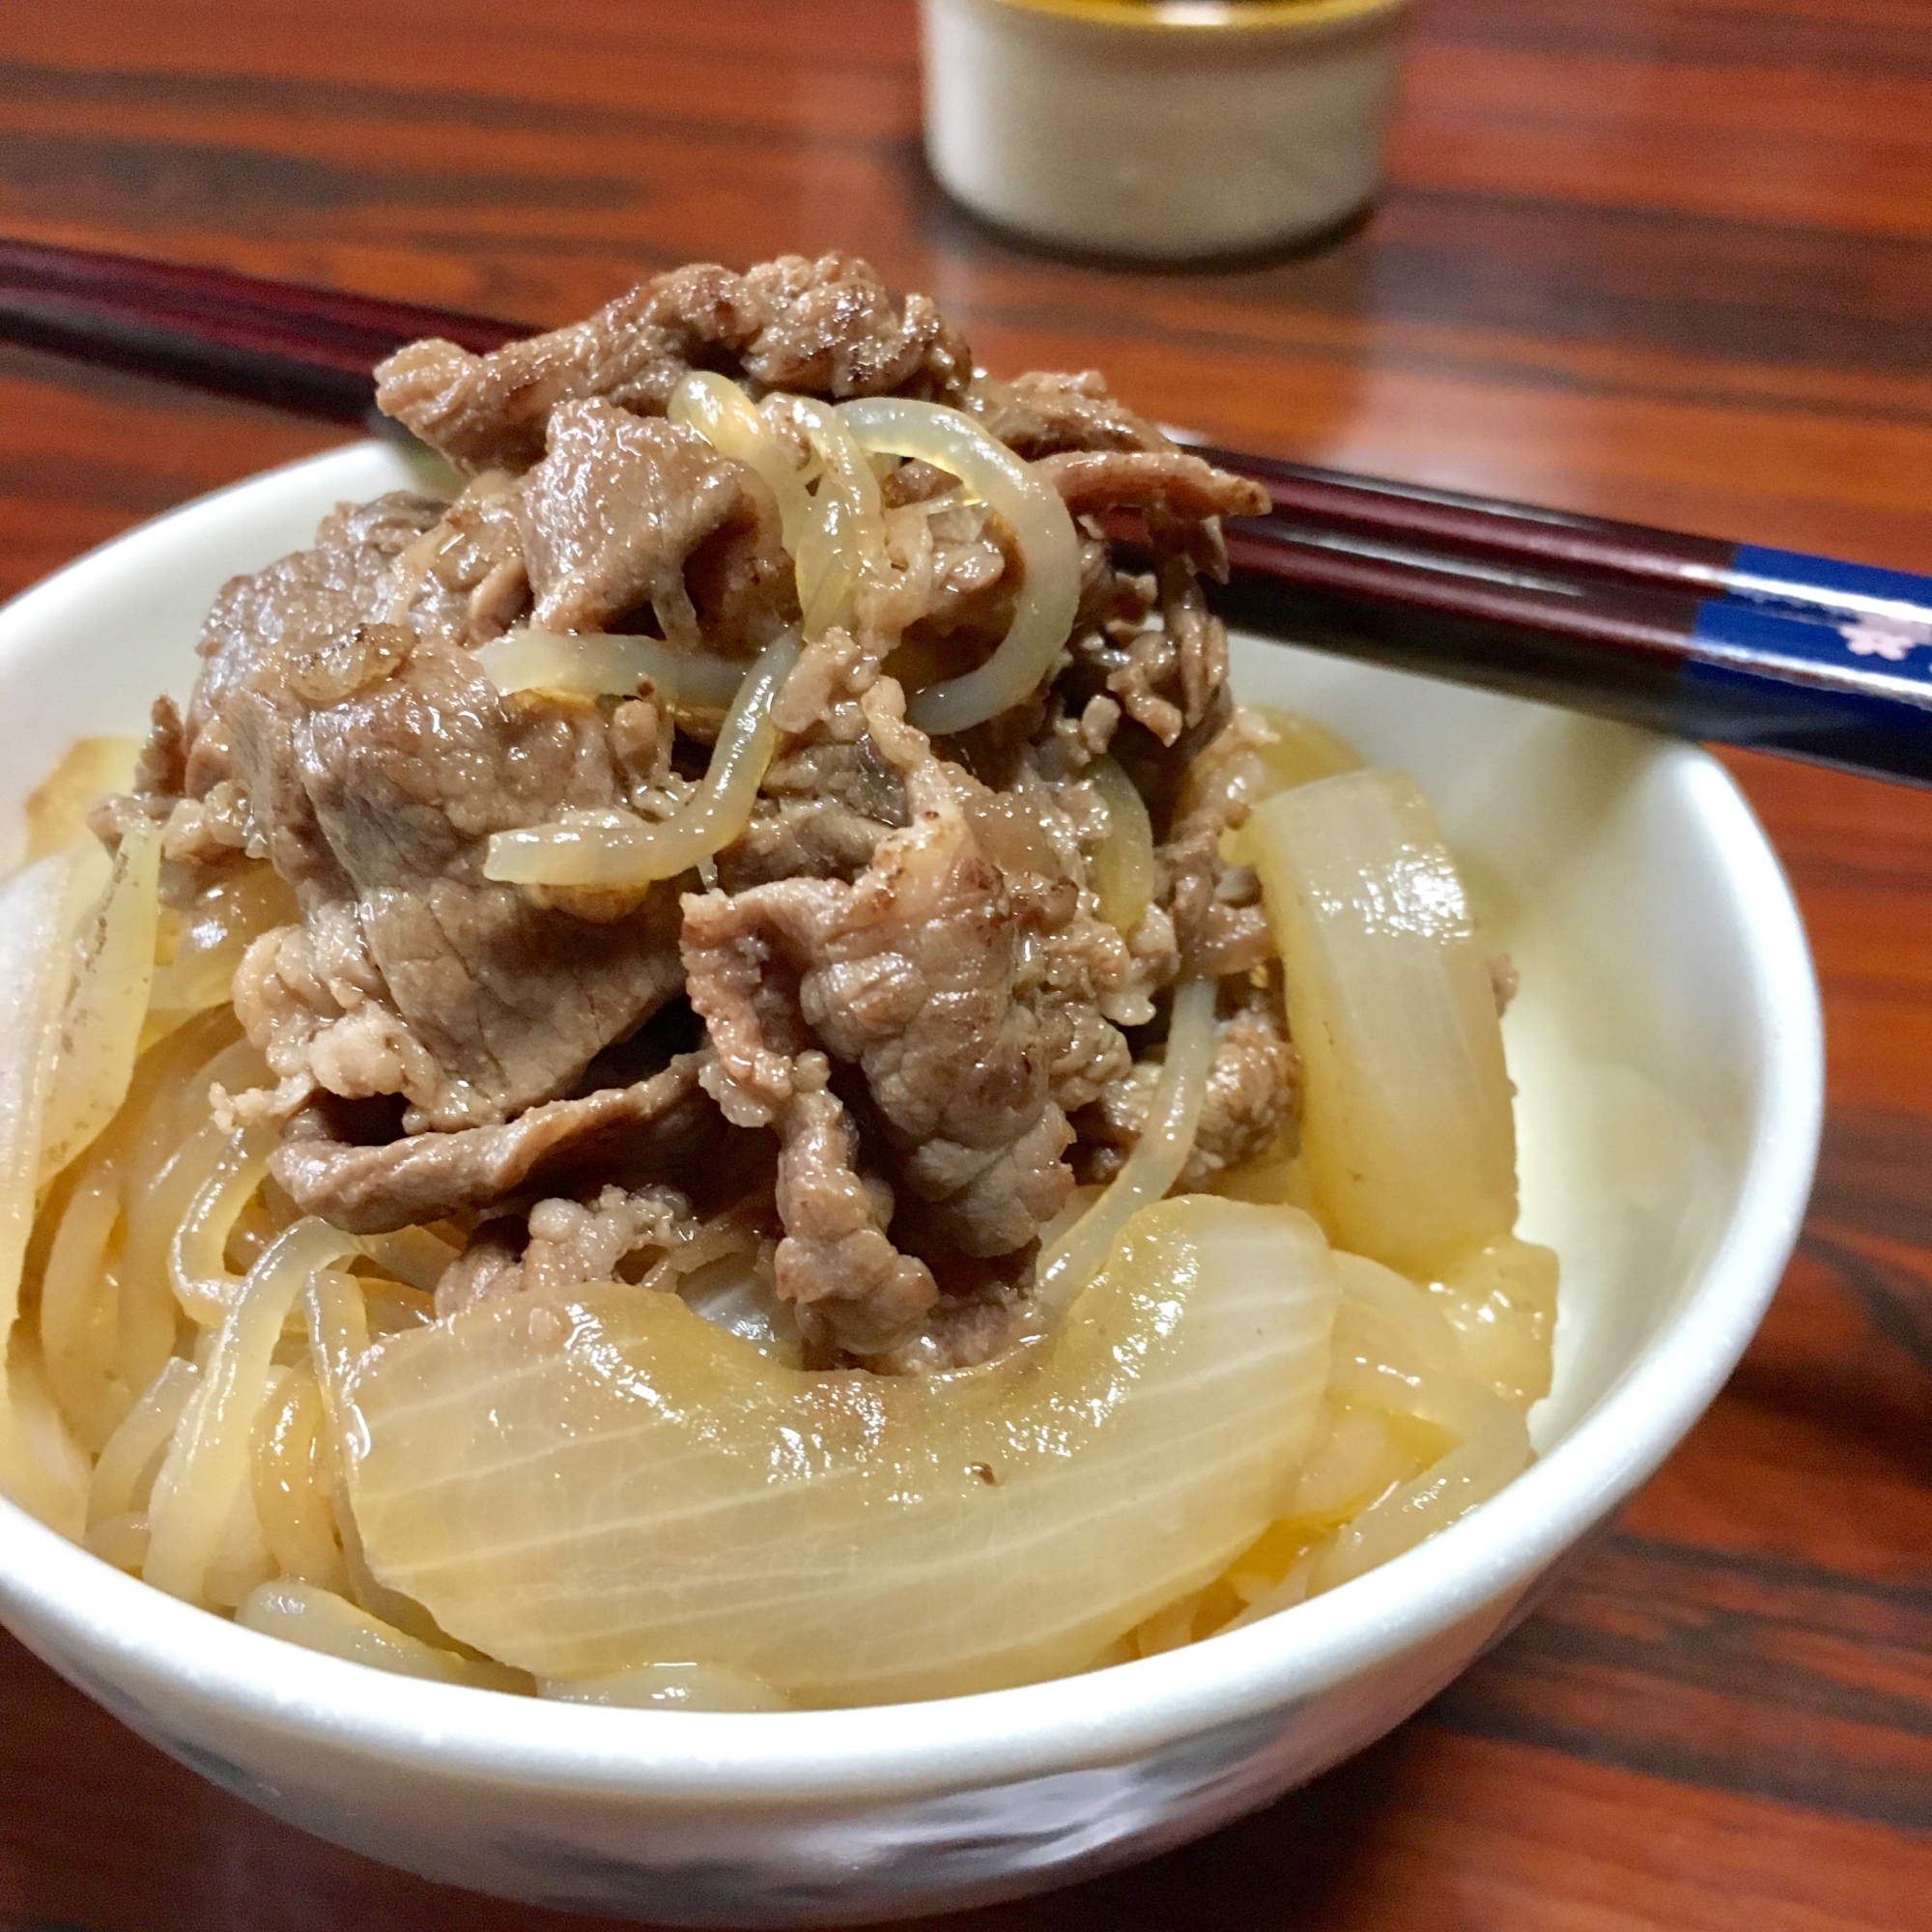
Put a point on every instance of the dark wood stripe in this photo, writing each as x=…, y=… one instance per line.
x=1818, y=36
x=1751, y=1674
x=1873, y=1176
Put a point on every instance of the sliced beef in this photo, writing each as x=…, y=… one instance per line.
x=852, y=1288
x=621, y=1134
x=325, y=593
x=1254, y=1095
x=1166, y=481
x=466, y=580
x=1220, y=924
x=826, y=328
x=618, y=511
x=377, y=765
x=907, y=974
x=1044, y=412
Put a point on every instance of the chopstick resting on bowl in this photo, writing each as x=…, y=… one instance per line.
x=1741, y=643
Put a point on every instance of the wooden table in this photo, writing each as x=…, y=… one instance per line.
x=1662, y=259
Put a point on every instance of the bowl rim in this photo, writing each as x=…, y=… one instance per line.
x=185, y=1657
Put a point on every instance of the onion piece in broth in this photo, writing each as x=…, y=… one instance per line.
x=1408, y=1138
x=606, y=1480
x=1122, y=870
x=100, y=1029
x=34, y=911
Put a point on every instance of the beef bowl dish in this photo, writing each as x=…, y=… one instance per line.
x=711, y=1069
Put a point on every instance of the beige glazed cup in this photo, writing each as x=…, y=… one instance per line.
x=1161, y=130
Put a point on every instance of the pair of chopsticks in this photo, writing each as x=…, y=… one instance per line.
x=1737, y=643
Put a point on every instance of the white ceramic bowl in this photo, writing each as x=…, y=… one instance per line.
x=1667, y=1047
x=1161, y=130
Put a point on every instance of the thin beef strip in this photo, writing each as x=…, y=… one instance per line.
x=1045, y=413
x=828, y=328
x=377, y=793
x=1254, y=1093
x=632, y=1133
x=907, y=974
x=616, y=515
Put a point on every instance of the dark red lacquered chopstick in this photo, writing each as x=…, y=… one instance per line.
x=1751, y=646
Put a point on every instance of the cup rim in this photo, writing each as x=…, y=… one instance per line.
x=82, y=1613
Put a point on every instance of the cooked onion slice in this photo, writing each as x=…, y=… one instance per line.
x=529, y=659
x=1038, y=518
x=726, y=418
x=93, y=768
x=35, y=909
x=604, y=1482
x=1159, y=1154
x=1408, y=1138
x=100, y=1029
x=1121, y=868
x=668, y=1687
x=607, y=850
x=197, y=1271
x=319, y=1619
x=228, y=915
x=843, y=540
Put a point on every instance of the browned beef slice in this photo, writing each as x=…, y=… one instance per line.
x=1219, y=922
x=909, y=974
x=1164, y=480
x=835, y=330
x=828, y=328
x=1254, y=1093
x=827, y=806
x=614, y=512
x=466, y=580
x=622, y=1134
x=1044, y=411
x=378, y=765
x=853, y=1290
x=320, y=593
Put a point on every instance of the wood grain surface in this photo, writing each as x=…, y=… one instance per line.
x=1659, y=259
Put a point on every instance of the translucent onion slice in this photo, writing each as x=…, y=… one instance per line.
x=726, y=418
x=1159, y=1154
x=607, y=1482
x=529, y=659
x=91, y=769
x=1038, y=518
x=843, y=540
x=1122, y=870
x=1490, y=1445
x=1407, y=1139
x=208, y=1468
x=318, y=1619
x=34, y=968
x=100, y=1029
x=1501, y=1301
x=600, y=851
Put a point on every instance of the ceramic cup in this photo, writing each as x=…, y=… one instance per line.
x=1161, y=130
